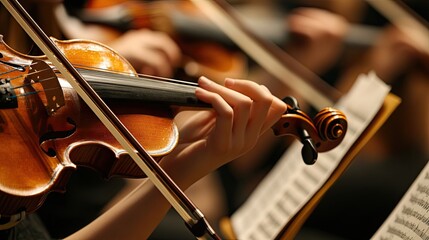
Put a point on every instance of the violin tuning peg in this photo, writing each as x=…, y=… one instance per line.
x=292, y=102
x=308, y=151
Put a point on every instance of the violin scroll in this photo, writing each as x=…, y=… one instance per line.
x=331, y=124
x=322, y=134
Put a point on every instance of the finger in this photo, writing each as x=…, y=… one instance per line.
x=303, y=26
x=194, y=125
x=221, y=135
x=277, y=109
x=310, y=13
x=167, y=46
x=240, y=103
x=155, y=62
x=262, y=100
x=145, y=69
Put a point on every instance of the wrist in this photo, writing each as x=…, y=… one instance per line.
x=183, y=173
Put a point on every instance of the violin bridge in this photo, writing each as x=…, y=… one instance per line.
x=42, y=73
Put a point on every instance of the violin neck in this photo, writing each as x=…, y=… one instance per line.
x=114, y=86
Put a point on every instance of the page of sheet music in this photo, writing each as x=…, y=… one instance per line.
x=291, y=183
x=410, y=218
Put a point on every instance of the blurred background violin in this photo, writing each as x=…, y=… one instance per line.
x=201, y=56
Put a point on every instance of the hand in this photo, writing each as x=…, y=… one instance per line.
x=395, y=52
x=150, y=52
x=242, y=111
x=316, y=37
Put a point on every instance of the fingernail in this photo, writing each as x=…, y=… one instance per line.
x=203, y=81
x=229, y=82
x=197, y=91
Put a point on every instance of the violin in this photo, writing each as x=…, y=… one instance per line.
x=43, y=119
x=200, y=56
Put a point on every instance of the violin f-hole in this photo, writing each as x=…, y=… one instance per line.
x=51, y=135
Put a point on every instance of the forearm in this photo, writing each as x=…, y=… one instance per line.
x=140, y=212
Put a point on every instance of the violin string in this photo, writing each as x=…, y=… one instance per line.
x=25, y=75
x=96, y=73
x=108, y=73
x=33, y=83
x=10, y=71
x=168, y=80
x=103, y=72
x=27, y=84
x=16, y=69
x=132, y=81
x=33, y=92
x=26, y=94
x=13, y=65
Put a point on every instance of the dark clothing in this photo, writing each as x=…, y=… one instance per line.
x=29, y=228
x=86, y=195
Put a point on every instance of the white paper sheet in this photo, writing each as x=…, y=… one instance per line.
x=291, y=183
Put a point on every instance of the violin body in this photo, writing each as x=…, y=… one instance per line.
x=42, y=149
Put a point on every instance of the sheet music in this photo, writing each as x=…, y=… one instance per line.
x=410, y=218
x=291, y=183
